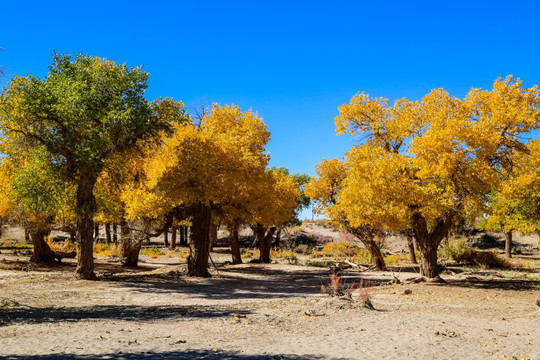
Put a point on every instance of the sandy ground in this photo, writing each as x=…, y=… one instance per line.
x=255, y=311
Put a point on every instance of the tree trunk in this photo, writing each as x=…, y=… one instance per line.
x=173, y=235
x=115, y=233
x=538, y=232
x=26, y=235
x=410, y=243
x=265, y=244
x=96, y=231
x=42, y=251
x=235, y=244
x=86, y=207
x=166, y=237
x=367, y=237
x=199, y=245
x=213, y=235
x=130, y=249
x=183, y=230
x=508, y=244
x=428, y=262
x=377, y=258
x=428, y=242
x=108, y=232
x=278, y=237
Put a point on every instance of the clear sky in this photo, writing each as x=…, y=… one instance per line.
x=293, y=62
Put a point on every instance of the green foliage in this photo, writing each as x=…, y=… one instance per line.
x=303, y=200
x=81, y=112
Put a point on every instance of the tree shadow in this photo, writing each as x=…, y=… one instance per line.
x=178, y=354
x=486, y=284
x=241, y=282
x=23, y=314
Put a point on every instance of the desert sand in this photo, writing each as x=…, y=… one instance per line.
x=255, y=311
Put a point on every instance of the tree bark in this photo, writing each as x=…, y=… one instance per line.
x=183, y=230
x=367, y=237
x=235, y=244
x=265, y=244
x=166, y=237
x=508, y=244
x=200, y=240
x=86, y=207
x=108, y=232
x=129, y=251
x=42, y=251
x=213, y=234
x=428, y=241
x=278, y=237
x=410, y=243
x=115, y=233
x=96, y=231
x=173, y=235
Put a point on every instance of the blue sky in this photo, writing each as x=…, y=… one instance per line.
x=293, y=62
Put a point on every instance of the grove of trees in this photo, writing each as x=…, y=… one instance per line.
x=84, y=145
x=422, y=163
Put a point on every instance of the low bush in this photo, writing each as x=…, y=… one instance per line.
x=153, y=252
x=284, y=254
x=106, y=250
x=463, y=254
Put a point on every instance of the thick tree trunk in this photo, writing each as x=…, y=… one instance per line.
x=265, y=244
x=115, y=233
x=42, y=251
x=200, y=241
x=129, y=252
x=508, y=244
x=108, y=232
x=235, y=244
x=173, y=236
x=410, y=243
x=428, y=242
x=428, y=262
x=86, y=207
x=96, y=231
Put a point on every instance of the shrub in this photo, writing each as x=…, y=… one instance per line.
x=288, y=255
x=338, y=250
x=395, y=259
x=462, y=254
x=106, y=250
x=66, y=246
x=336, y=287
x=181, y=256
x=246, y=255
x=153, y=252
x=361, y=256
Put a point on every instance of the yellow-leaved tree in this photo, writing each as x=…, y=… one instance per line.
x=515, y=204
x=421, y=163
x=326, y=190
x=198, y=170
